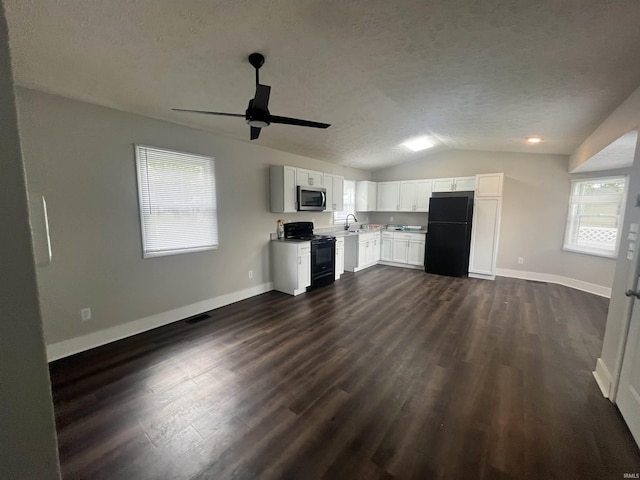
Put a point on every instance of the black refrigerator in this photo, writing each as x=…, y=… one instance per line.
x=449, y=233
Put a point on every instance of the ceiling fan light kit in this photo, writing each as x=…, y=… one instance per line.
x=257, y=114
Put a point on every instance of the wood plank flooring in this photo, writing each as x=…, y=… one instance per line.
x=388, y=373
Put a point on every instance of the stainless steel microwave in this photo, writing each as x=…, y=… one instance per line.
x=312, y=198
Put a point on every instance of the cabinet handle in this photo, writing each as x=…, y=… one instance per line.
x=310, y=181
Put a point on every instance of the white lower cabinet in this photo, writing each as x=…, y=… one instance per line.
x=361, y=251
x=291, y=264
x=386, y=252
x=339, y=268
x=403, y=249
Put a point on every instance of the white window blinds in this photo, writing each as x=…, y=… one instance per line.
x=595, y=216
x=349, y=201
x=177, y=194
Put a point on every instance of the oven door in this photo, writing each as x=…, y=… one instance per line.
x=312, y=199
x=323, y=262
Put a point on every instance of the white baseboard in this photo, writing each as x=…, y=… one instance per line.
x=401, y=265
x=92, y=340
x=603, y=378
x=547, y=277
x=482, y=276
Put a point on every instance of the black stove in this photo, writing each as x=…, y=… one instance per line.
x=323, y=251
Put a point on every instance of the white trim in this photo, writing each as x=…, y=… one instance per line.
x=482, y=276
x=603, y=377
x=547, y=277
x=401, y=265
x=92, y=340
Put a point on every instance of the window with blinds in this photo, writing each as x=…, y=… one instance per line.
x=596, y=211
x=177, y=194
x=349, y=200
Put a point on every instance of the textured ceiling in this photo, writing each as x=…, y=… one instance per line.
x=472, y=74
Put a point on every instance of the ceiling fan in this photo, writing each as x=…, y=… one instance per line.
x=257, y=114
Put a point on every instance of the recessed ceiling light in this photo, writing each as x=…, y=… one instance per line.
x=417, y=144
x=534, y=139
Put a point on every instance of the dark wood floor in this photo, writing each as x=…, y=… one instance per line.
x=388, y=373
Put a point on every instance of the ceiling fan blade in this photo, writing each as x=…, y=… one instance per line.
x=255, y=132
x=297, y=121
x=209, y=113
x=261, y=100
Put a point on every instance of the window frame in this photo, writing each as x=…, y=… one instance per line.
x=337, y=216
x=568, y=244
x=142, y=205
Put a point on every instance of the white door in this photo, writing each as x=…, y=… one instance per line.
x=400, y=251
x=338, y=193
x=328, y=185
x=415, y=255
x=423, y=194
x=387, y=249
x=628, y=396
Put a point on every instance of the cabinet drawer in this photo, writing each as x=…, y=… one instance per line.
x=365, y=237
x=416, y=237
x=302, y=249
x=388, y=235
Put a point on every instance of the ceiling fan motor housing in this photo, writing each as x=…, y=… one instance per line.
x=257, y=118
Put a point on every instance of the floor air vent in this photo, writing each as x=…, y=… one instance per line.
x=197, y=318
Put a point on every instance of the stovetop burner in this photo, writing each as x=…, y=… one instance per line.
x=304, y=231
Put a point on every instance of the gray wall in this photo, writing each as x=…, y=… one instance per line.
x=81, y=158
x=534, y=209
x=27, y=431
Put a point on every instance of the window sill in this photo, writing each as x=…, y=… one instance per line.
x=592, y=253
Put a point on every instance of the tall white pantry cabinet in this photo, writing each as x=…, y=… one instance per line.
x=485, y=230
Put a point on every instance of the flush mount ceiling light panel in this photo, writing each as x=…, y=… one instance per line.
x=533, y=140
x=417, y=144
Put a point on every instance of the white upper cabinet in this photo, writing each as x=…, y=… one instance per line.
x=456, y=184
x=489, y=184
x=388, y=196
x=407, y=196
x=415, y=195
x=283, y=189
x=366, y=196
x=309, y=178
x=334, y=186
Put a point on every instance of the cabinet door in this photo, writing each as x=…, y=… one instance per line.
x=423, y=194
x=339, y=261
x=338, y=193
x=362, y=254
x=376, y=248
x=372, y=197
x=386, y=253
x=407, y=196
x=368, y=253
x=363, y=196
x=465, y=184
x=416, y=253
x=400, y=251
x=328, y=185
x=489, y=185
x=309, y=178
x=443, y=185
x=304, y=270
x=484, y=235
x=388, y=196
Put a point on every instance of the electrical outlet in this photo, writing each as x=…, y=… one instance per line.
x=85, y=314
x=250, y=273
x=520, y=260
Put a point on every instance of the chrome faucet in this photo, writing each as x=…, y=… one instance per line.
x=346, y=220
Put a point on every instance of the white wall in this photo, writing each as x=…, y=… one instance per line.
x=81, y=157
x=534, y=211
x=27, y=430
